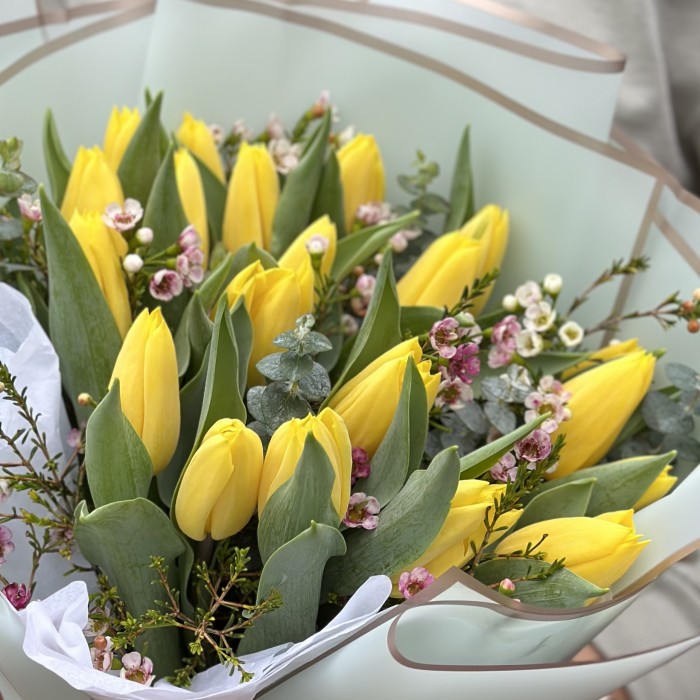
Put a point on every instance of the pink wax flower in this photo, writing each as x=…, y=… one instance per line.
x=123, y=219
x=360, y=465
x=535, y=447
x=18, y=595
x=189, y=238
x=362, y=511
x=6, y=544
x=414, y=582
x=464, y=364
x=442, y=336
x=137, y=669
x=453, y=393
x=165, y=285
x=28, y=208
x=505, y=469
x=101, y=653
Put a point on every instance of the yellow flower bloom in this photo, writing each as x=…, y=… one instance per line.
x=602, y=400
x=285, y=449
x=120, y=128
x=598, y=549
x=274, y=299
x=464, y=524
x=219, y=489
x=361, y=175
x=657, y=489
x=147, y=371
x=453, y=261
x=368, y=402
x=297, y=256
x=104, y=249
x=191, y=192
x=251, y=200
x=196, y=136
x=92, y=184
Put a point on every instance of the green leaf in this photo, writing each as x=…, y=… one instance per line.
x=303, y=498
x=401, y=450
x=216, y=282
x=405, y=530
x=83, y=330
x=58, y=166
x=563, y=589
x=163, y=212
x=663, y=414
x=243, y=334
x=294, y=571
x=565, y=501
x=192, y=336
x=40, y=309
x=117, y=463
x=141, y=161
x=121, y=538
x=362, y=245
x=480, y=461
x=329, y=198
x=380, y=330
x=551, y=362
x=299, y=191
x=418, y=320
x=618, y=485
x=215, y=198
x=462, y=190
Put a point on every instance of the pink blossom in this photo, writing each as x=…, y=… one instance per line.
x=365, y=286
x=285, y=154
x=528, y=343
x=398, y=242
x=317, y=244
x=165, y=285
x=528, y=294
x=137, y=669
x=189, y=238
x=189, y=266
x=349, y=325
x=499, y=357
x=18, y=595
x=74, y=438
x=539, y=317
x=28, y=208
x=240, y=130
x=123, y=219
x=506, y=468
x=5, y=489
x=535, y=447
x=101, y=653
x=360, y=465
x=217, y=133
x=362, y=511
x=373, y=213
x=465, y=364
x=275, y=129
x=453, y=393
x=6, y=544
x=414, y=582
x=506, y=587
x=443, y=334
x=505, y=332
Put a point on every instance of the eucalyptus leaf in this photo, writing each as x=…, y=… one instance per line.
x=10, y=230
x=254, y=402
x=462, y=188
x=303, y=498
x=58, y=166
x=473, y=417
x=316, y=384
x=407, y=526
x=117, y=464
x=280, y=404
x=682, y=377
x=666, y=415
x=502, y=418
x=295, y=366
x=563, y=501
x=294, y=571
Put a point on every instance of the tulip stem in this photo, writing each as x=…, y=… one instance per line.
x=204, y=551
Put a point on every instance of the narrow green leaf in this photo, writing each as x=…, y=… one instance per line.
x=299, y=191
x=401, y=451
x=243, y=333
x=481, y=460
x=29, y=288
x=141, y=161
x=362, y=245
x=303, y=498
x=83, y=330
x=380, y=330
x=563, y=589
x=462, y=190
x=406, y=527
x=295, y=572
x=192, y=336
x=417, y=320
x=565, y=501
x=329, y=198
x=117, y=463
x=58, y=166
x=215, y=198
x=215, y=283
x=551, y=362
x=163, y=212
x=121, y=538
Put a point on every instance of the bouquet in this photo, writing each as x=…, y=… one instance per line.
x=289, y=407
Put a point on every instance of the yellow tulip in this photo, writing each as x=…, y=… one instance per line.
x=464, y=524
x=147, y=371
x=92, y=184
x=285, y=449
x=361, y=175
x=191, y=192
x=196, y=136
x=657, y=489
x=368, y=402
x=297, y=256
x=609, y=352
x=219, y=489
x=120, y=128
x=598, y=549
x=602, y=400
x=251, y=199
x=104, y=249
x=274, y=299
x=453, y=261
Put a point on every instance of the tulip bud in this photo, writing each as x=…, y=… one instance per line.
x=150, y=397
x=287, y=445
x=120, y=128
x=657, y=489
x=196, y=136
x=92, y=184
x=602, y=400
x=219, y=489
x=368, y=402
x=361, y=175
x=610, y=352
x=274, y=299
x=191, y=192
x=453, y=261
x=598, y=549
x=104, y=248
x=251, y=200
